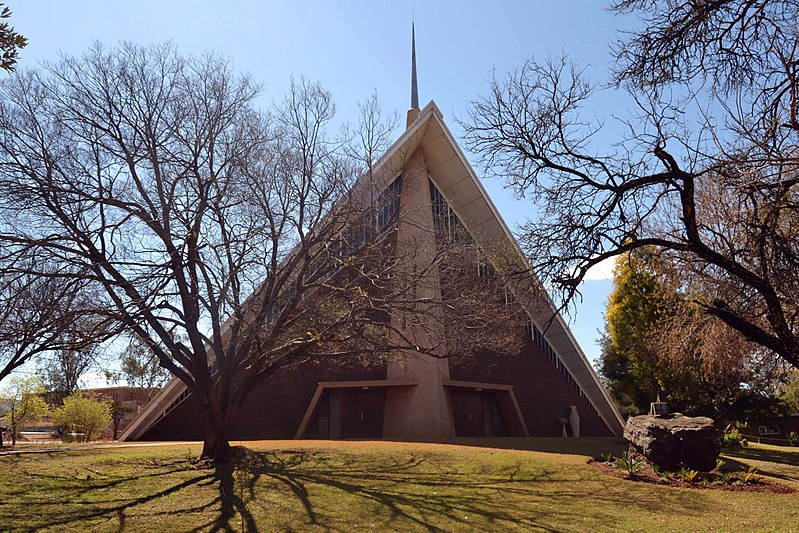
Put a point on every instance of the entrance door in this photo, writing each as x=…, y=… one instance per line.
x=327, y=423
x=493, y=423
x=362, y=413
x=468, y=410
x=477, y=414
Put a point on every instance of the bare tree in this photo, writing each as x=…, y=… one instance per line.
x=231, y=242
x=373, y=134
x=707, y=173
x=45, y=312
x=139, y=368
x=61, y=370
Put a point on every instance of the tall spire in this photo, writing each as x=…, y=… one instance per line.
x=414, y=87
x=413, y=112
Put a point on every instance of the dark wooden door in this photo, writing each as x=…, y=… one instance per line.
x=493, y=423
x=468, y=410
x=362, y=413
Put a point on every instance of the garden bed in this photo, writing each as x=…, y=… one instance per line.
x=718, y=479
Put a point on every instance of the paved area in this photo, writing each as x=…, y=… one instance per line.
x=52, y=449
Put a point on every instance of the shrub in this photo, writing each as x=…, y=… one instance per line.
x=81, y=418
x=663, y=475
x=687, y=474
x=732, y=438
x=722, y=478
x=630, y=464
x=748, y=476
x=793, y=438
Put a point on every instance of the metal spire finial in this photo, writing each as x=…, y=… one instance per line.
x=414, y=87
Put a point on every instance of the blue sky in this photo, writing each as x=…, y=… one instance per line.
x=354, y=48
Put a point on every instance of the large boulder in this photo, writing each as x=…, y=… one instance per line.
x=674, y=441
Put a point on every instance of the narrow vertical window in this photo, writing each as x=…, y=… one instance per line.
x=388, y=203
x=446, y=223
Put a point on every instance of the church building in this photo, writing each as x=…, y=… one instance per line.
x=546, y=388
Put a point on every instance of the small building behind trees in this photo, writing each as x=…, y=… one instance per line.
x=126, y=404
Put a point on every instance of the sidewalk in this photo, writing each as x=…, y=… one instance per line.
x=31, y=449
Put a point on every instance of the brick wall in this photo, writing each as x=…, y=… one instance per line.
x=543, y=393
x=273, y=410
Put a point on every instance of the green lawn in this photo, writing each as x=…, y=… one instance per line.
x=543, y=484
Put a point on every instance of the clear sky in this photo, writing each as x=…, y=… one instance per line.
x=354, y=48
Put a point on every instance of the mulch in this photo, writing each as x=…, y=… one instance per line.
x=703, y=480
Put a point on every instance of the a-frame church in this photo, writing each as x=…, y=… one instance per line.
x=547, y=388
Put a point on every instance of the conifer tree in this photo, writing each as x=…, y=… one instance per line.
x=639, y=302
x=657, y=343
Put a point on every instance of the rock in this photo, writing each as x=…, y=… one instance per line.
x=674, y=441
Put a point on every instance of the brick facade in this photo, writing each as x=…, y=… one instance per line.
x=543, y=393
x=273, y=410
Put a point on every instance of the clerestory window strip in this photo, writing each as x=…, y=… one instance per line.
x=446, y=223
x=546, y=348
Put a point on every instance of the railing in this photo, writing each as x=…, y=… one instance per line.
x=775, y=441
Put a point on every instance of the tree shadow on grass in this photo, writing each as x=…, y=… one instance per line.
x=393, y=491
x=738, y=462
x=74, y=490
x=590, y=446
x=74, y=497
x=405, y=494
x=75, y=515
x=758, y=454
x=236, y=487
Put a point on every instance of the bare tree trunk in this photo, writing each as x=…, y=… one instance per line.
x=216, y=445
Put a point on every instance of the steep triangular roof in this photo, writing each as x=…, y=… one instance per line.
x=457, y=181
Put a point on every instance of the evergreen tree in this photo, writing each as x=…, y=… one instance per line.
x=656, y=343
x=139, y=368
x=11, y=42
x=789, y=392
x=638, y=303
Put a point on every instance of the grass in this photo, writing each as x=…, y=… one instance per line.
x=522, y=484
